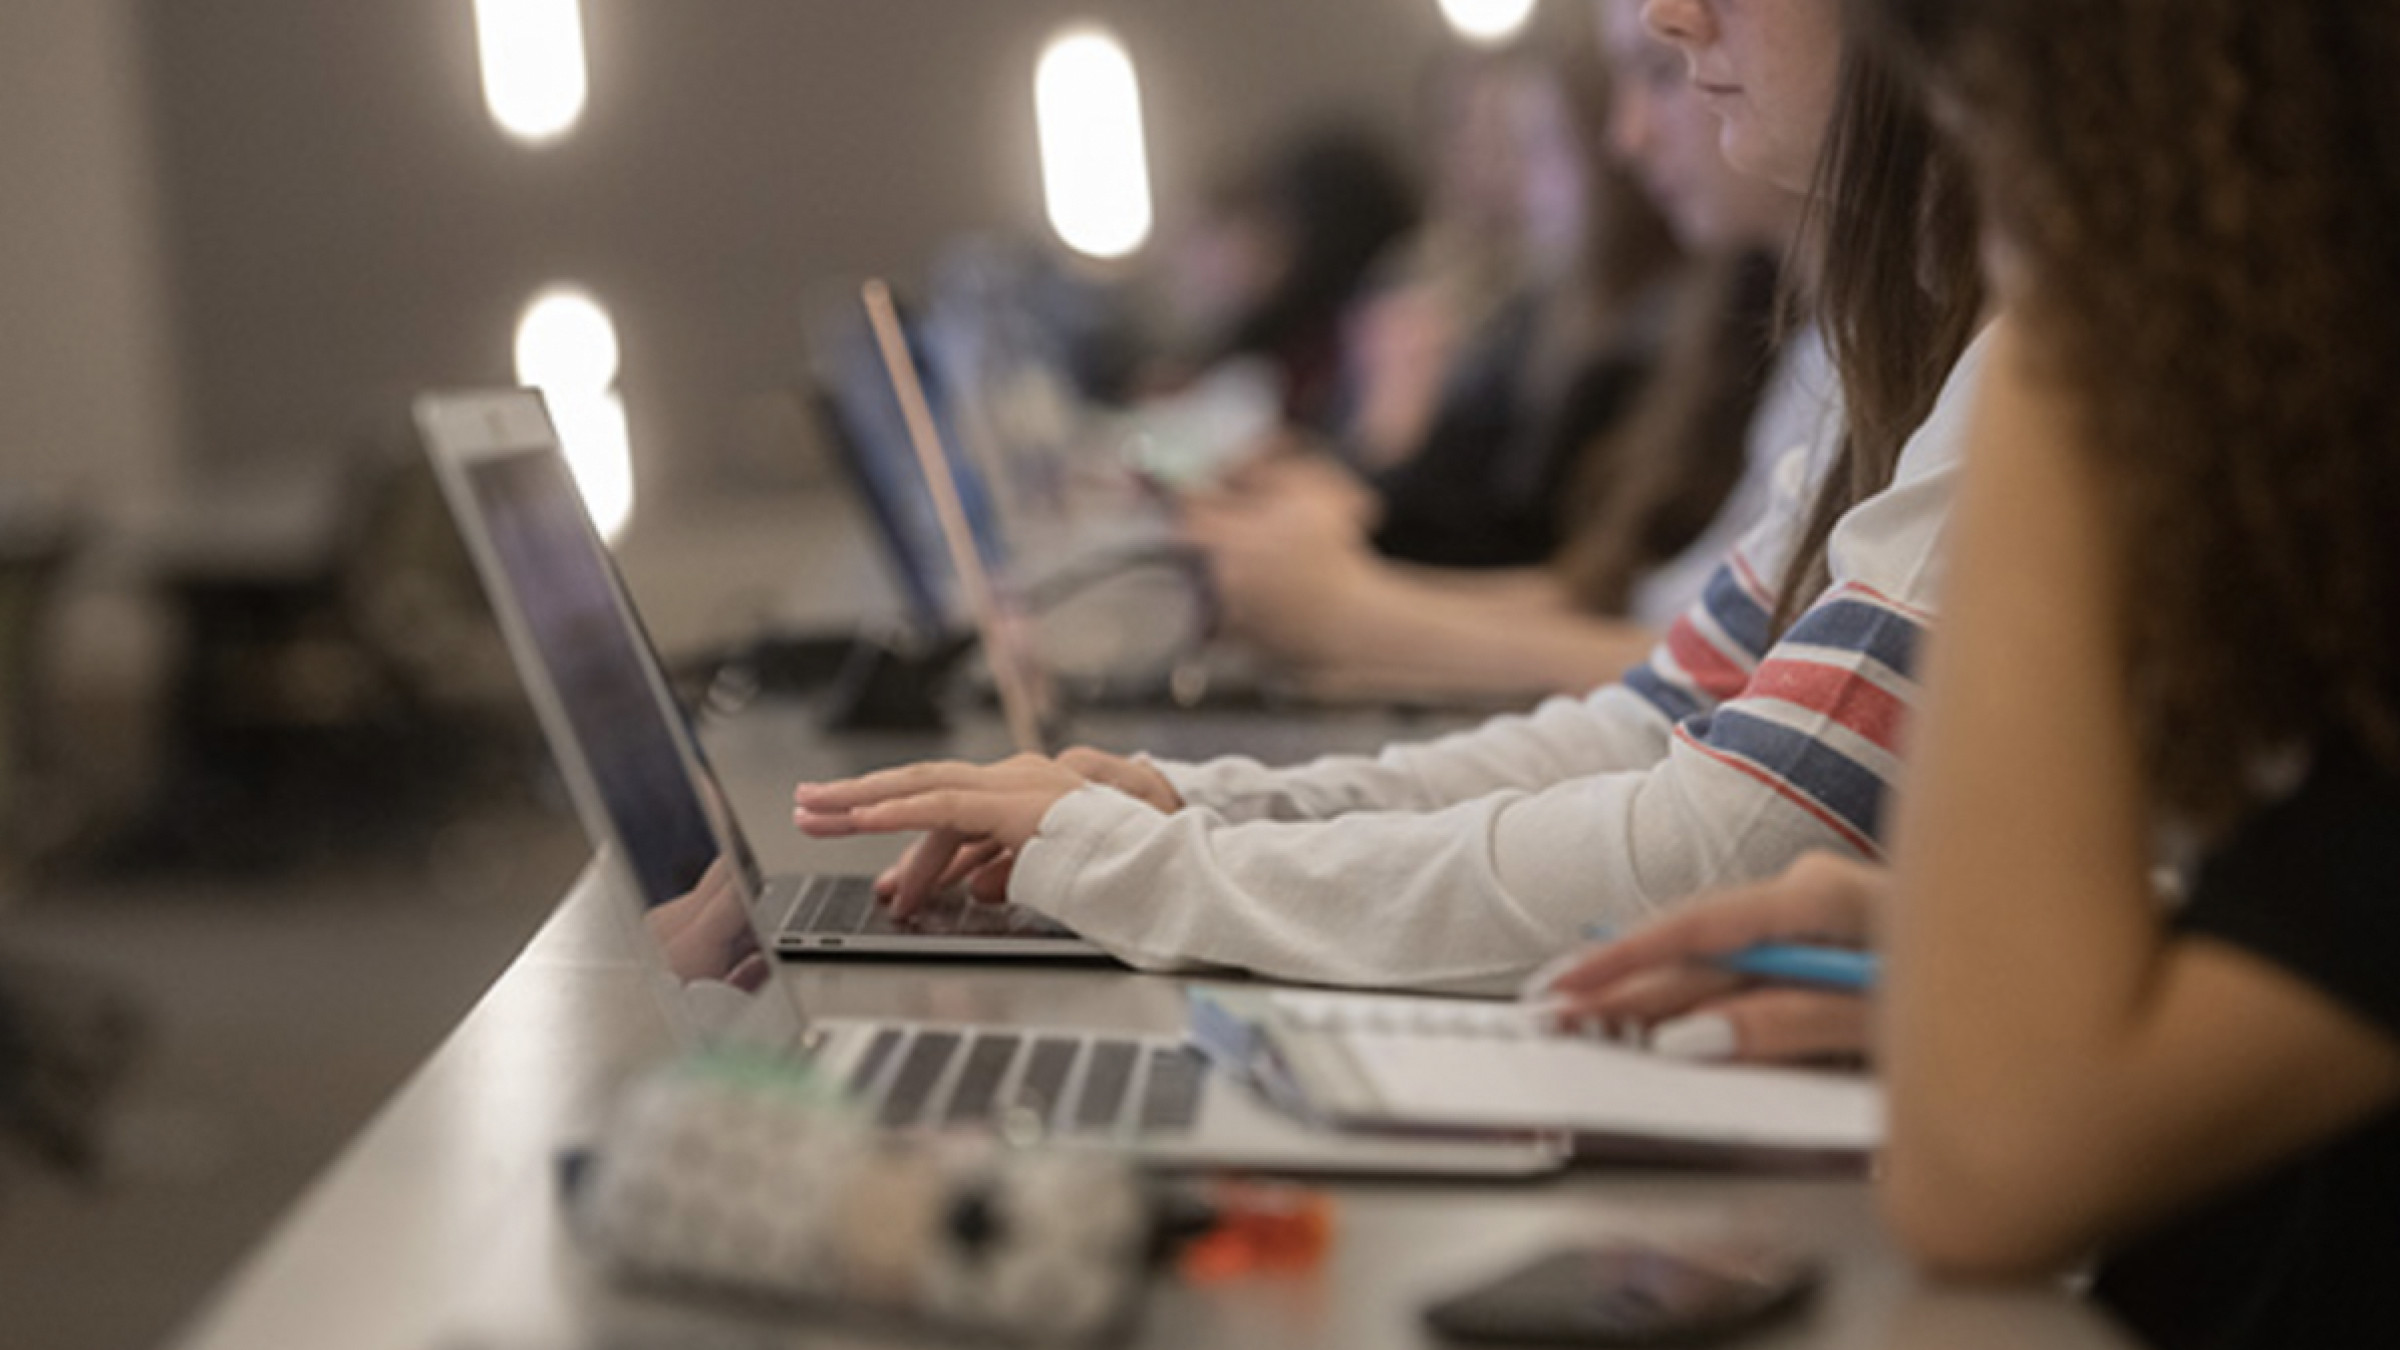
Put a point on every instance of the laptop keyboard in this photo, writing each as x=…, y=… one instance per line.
x=1045, y=1078
x=1100, y=1085
x=923, y=1067
x=1104, y=1085
x=845, y=905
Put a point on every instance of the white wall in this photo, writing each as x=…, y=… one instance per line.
x=91, y=406
x=236, y=233
x=349, y=226
x=88, y=394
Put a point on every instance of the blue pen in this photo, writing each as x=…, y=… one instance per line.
x=1792, y=962
x=1795, y=963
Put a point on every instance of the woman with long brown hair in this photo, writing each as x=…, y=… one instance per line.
x=2170, y=641
x=1741, y=743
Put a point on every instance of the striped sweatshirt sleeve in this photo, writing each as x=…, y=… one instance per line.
x=1818, y=721
x=1706, y=657
x=1467, y=863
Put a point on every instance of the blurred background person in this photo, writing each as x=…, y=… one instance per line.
x=1441, y=400
x=1658, y=496
x=1273, y=256
x=1524, y=317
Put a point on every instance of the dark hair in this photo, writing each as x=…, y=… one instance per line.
x=1899, y=293
x=1340, y=200
x=2200, y=200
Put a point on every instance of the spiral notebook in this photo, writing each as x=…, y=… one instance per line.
x=1455, y=1065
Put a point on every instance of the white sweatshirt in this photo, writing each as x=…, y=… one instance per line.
x=1471, y=859
x=1801, y=407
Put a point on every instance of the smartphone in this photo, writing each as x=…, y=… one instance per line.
x=1630, y=1293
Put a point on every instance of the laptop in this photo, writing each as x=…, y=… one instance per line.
x=1113, y=625
x=676, y=861
x=1027, y=700
x=1158, y=1098
x=621, y=740
x=1105, y=606
x=867, y=433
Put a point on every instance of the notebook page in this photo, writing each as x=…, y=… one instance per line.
x=1438, y=1062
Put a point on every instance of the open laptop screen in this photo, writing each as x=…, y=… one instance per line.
x=871, y=442
x=694, y=876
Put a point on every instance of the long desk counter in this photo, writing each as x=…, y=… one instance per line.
x=439, y=1226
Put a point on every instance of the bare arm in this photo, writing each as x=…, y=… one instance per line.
x=1400, y=633
x=2062, y=1067
x=1533, y=589
x=1307, y=590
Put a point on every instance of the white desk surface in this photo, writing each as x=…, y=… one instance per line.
x=438, y=1227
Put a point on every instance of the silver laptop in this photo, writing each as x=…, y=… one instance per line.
x=1156, y=1097
x=1051, y=647
x=673, y=856
x=1099, y=606
x=621, y=740
x=1027, y=700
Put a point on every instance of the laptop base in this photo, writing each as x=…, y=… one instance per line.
x=819, y=916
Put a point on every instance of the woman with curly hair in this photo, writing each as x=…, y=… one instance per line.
x=2170, y=640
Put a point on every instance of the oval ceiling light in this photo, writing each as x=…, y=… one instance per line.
x=1095, y=172
x=566, y=341
x=533, y=70
x=1489, y=22
x=567, y=348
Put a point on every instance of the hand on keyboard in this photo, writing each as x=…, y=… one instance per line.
x=959, y=806
x=974, y=816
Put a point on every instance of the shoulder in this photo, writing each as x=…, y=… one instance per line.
x=1895, y=541
x=1941, y=443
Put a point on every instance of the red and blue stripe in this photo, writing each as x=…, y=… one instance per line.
x=1819, y=719
x=1710, y=653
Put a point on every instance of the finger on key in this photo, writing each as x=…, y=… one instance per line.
x=921, y=868
x=966, y=861
x=989, y=884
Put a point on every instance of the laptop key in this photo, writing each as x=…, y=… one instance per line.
x=919, y=1071
x=979, y=1081
x=849, y=903
x=1105, y=1085
x=808, y=899
x=937, y=917
x=1171, y=1097
x=981, y=920
x=871, y=1063
x=1046, y=1076
x=963, y=917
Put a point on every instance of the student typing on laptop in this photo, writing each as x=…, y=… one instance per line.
x=1764, y=726
x=676, y=857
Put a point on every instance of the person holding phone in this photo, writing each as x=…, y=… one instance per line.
x=2168, y=640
